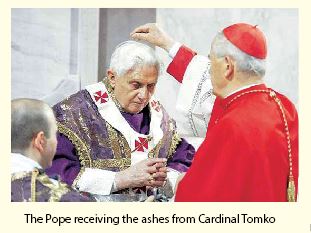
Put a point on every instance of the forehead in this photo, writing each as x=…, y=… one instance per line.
x=143, y=74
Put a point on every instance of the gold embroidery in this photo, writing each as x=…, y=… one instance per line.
x=125, y=148
x=57, y=190
x=83, y=149
x=116, y=141
x=65, y=106
x=154, y=153
x=20, y=175
x=34, y=175
x=174, y=143
x=113, y=139
x=122, y=163
x=78, y=177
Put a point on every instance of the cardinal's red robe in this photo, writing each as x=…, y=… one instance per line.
x=244, y=156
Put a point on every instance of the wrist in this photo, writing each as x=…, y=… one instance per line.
x=168, y=44
x=120, y=181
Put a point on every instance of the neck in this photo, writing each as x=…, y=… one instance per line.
x=34, y=155
x=238, y=83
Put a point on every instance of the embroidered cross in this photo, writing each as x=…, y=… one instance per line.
x=141, y=144
x=102, y=97
x=155, y=105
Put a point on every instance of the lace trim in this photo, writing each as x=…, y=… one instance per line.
x=195, y=99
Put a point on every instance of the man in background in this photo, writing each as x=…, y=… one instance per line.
x=33, y=145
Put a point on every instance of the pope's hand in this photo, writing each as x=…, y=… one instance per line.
x=159, y=177
x=151, y=33
x=145, y=173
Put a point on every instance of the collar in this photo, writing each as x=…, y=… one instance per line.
x=21, y=163
x=242, y=88
x=225, y=101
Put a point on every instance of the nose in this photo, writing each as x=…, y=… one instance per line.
x=143, y=93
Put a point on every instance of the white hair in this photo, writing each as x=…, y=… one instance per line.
x=223, y=47
x=130, y=55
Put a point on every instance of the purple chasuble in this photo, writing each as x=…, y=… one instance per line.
x=67, y=164
x=21, y=188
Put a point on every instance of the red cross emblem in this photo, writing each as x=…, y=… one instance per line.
x=155, y=105
x=141, y=144
x=102, y=97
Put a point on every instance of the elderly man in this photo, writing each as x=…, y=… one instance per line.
x=195, y=98
x=250, y=152
x=114, y=136
x=33, y=145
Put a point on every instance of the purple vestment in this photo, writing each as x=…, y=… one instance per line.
x=85, y=139
x=45, y=190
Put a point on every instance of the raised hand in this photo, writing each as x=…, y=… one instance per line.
x=151, y=33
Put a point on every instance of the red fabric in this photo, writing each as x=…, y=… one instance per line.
x=180, y=62
x=244, y=155
x=248, y=38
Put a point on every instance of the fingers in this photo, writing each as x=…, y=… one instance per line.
x=160, y=166
x=153, y=161
x=151, y=169
x=163, y=169
x=158, y=175
x=157, y=167
x=157, y=183
x=144, y=28
x=141, y=29
x=140, y=36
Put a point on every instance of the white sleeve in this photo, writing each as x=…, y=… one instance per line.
x=195, y=99
x=172, y=176
x=96, y=181
x=173, y=51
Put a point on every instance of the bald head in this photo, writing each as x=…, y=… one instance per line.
x=28, y=118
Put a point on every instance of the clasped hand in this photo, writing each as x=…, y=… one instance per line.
x=149, y=172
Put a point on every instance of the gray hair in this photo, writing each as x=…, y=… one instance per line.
x=222, y=47
x=28, y=118
x=131, y=54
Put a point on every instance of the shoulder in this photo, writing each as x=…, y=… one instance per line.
x=288, y=104
x=74, y=101
x=58, y=190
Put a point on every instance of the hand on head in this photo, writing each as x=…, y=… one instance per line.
x=151, y=33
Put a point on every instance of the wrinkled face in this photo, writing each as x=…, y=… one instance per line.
x=50, y=145
x=134, y=89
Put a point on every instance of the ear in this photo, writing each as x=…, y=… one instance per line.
x=39, y=141
x=229, y=69
x=112, y=77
